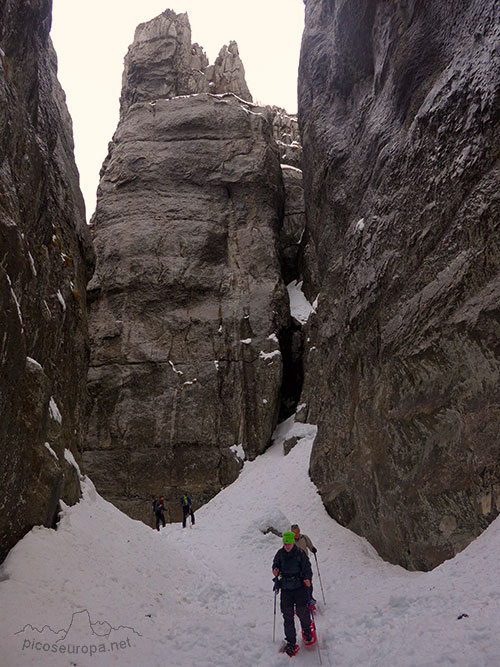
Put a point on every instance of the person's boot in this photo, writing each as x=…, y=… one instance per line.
x=291, y=649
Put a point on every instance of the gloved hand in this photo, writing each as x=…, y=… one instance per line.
x=314, y=550
x=276, y=586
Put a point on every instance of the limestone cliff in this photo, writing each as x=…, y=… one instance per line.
x=46, y=258
x=399, y=114
x=187, y=303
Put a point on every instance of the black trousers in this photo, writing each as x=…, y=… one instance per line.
x=160, y=517
x=186, y=509
x=291, y=600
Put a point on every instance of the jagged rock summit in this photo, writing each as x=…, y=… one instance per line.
x=187, y=306
x=162, y=63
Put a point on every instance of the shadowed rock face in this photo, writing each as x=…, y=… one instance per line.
x=293, y=224
x=187, y=299
x=46, y=259
x=286, y=134
x=399, y=110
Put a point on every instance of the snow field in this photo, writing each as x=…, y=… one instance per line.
x=203, y=596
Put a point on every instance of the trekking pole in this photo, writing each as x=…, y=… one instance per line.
x=275, y=589
x=274, y=620
x=319, y=577
x=314, y=623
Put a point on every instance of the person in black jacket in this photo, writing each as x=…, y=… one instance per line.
x=293, y=568
x=159, y=509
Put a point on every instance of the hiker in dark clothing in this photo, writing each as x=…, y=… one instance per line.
x=159, y=509
x=292, y=565
x=187, y=508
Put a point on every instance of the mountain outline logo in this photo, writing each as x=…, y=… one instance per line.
x=80, y=621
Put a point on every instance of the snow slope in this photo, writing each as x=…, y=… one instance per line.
x=129, y=596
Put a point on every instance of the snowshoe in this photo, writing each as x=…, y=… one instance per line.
x=290, y=649
x=309, y=636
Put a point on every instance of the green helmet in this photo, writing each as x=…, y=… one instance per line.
x=288, y=537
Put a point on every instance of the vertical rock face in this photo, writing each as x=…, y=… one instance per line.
x=46, y=258
x=287, y=136
x=162, y=63
x=399, y=109
x=187, y=302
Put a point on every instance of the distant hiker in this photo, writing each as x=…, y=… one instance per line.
x=159, y=510
x=187, y=508
x=293, y=568
x=304, y=543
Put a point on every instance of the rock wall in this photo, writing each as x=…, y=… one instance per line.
x=187, y=302
x=46, y=258
x=399, y=110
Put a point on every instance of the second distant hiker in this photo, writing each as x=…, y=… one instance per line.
x=304, y=542
x=187, y=508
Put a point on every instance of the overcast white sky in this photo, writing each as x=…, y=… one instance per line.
x=92, y=37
